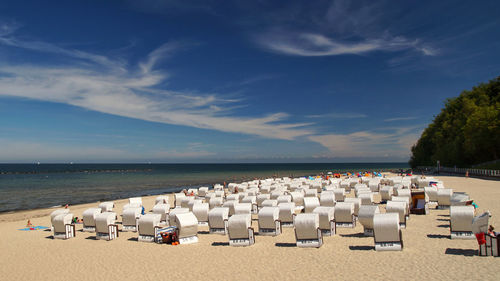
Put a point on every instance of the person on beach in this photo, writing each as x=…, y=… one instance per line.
x=29, y=224
x=491, y=231
x=67, y=206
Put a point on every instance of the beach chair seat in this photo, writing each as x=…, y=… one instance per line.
x=105, y=226
x=63, y=226
x=365, y=217
x=444, y=198
x=405, y=199
x=129, y=219
x=461, y=222
x=310, y=203
x=89, y=216
x=215, y=202
x=387, y=232
x=231, y=205
x=200, y=210
x=356, y=202
x=307, y=231
x=327, y=199
x=147, y=227
x=106, y=206
x=243, y=208
x=339, y=194
x=173, y=213
x=344, y=215
x=269, y=223
x=187, y=228
x=161, y=199
x=326, y=220
x=286, y=214
x=217, y=220
x=399, y=208
x=162, y=209
x=240, y=231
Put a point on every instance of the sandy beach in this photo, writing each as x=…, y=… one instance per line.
x=428, y=252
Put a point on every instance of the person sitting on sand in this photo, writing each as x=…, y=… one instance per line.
x=235, y=190
x=29, y=224
x=491, y=231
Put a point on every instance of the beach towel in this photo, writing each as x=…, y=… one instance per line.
x=33, y=228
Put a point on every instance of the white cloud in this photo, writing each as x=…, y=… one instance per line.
x=400, y=119
x=344, y=115
x=131, y=92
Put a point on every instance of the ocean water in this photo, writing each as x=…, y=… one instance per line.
x=31, y=186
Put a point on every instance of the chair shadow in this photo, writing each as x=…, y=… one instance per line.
x=444, y=216
x=361, y=248
x=461, y=252
x=443, y=220
x=203, y=232
x=91, y=238
x=220, y=244
x=358, y=235
x=133, y=239
x=286, y=245
x=47, y=229
x=444, y=225
x=440, y=236
x=50, y=237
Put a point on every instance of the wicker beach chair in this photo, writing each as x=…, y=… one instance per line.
x=89, y=216
x=105, y=226
x=63, y=227
x=147, y=227
x=240, y=231
x=217, y=220
x=365, y=217
x=269, y=223
x=387, y=232
x=461, y=222
x=326, y=220
x=307, y=231
x=344, y=215
x=129, y=219
x=187, y=228
x=162, y=209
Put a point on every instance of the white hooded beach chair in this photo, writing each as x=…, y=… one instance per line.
x=261, y=198
x=192, y=203
x=269, y=223
x=105, y=226
x=327, y=199
x=432, y=193
x=233, y=197
x=326, y=220
x=311, y=193
x=356, y=202
x=162, y=209
x=310, y=203
x=186, y=200
x=399, y=208
x=215, y=202
x=387, y=232
x=461, y=222
x=57, y=212
x=344, y=215
x=444, y=197
x=488, y=244
x=231, y=205
x=129, y=219
x=147, y=227
x=187, y=228
x=106, y=206
x=365, y=217
x=298, y=199
x=243, y=208
x=307, y=232
x=386, y=193
x=339, y=194
x=161, y=199
x=270, y=203
x=89, y=216
x=202, y=191
x=286, y=214
x=174, y=212
x=177, y=198
x=405, y=199
x=63, y=228
x=284, y=198
x=240, y=231
x=366, y=199
x=217, y=220
x=200, y=210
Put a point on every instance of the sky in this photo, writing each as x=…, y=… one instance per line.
x=167, y=81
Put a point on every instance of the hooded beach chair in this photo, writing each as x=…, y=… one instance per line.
x=461, y=222
x=231, y=205
x=344, y=215
x=284, y=199
x=310, y=203
x=366, y=199
x=298, y=199
x=200, y=210
x=307, y=231
x=105, y=226
x=215, y=202
x=106, y=206
x=162, y=199
x=129, y=219
x=311, y=193
x=286, y=214
x=251, y=199
x=387, y=232
x=270, y=203
x=162, y=209
x=444, y=197
x=432, y=193
x=339, y=194
x=488, y=244
x=386, y=193
x=89, y=216
x=217, y=220
x=326, y=220
x=147, y=227
x=187, y=228
x=174, y=212
x=365, y=217
x=177, y=198
x=268, y=220
x=63, y=227
x=240, y=231
x=327, y=199
x=400, y=208
x=57, y=212
x=243, y=208
x=185, y=201
x=202, y=191
x=356, y=202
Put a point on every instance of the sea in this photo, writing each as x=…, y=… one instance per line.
x=32, y=186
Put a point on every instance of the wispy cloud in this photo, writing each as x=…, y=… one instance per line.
x=346, y=115
x=130, y=91
x=400, y=119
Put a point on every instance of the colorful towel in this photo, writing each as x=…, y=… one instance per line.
x=33, y=228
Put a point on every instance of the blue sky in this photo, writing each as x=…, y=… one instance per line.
x=234, y=81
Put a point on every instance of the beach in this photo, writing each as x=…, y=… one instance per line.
x=428, y=252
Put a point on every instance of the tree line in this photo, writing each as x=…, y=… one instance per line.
x=466, y=131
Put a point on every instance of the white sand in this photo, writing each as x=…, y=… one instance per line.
x=428, y=252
